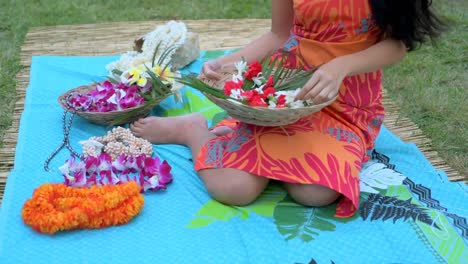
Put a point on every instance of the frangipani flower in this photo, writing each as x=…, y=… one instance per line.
x=134, y=76
x=164, y=73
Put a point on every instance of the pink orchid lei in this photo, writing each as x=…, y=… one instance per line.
x=108, y=96
x=127, y=89
x=148, y=172
x=251, y=87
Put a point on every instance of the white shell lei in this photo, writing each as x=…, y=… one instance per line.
x=172, y=34
x=117, y=141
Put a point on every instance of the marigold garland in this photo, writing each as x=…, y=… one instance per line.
x=56, y=207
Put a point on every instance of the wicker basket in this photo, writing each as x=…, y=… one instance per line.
x=108, y=118
x=261, y=116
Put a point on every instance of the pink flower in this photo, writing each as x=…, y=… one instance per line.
x=148, y=172
x=165, y=173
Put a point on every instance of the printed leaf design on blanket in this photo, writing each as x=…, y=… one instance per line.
x=218, y=117
x=305, y=223
x=375, y=176
x=378, y=206
x=444, y=242
x=214, y=54
x=214, y=211
x=194, y=102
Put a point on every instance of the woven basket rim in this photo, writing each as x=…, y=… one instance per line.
x=259, y=115
x=112, y=117
x=88, y=87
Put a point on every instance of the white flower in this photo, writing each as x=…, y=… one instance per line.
x=236, y=93
x=375, y=175
x=93, y=144
x=240, y=67
x=176, y=87
x=258, y=80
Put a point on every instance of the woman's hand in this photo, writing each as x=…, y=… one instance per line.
x=209, y=70
x=325, y=83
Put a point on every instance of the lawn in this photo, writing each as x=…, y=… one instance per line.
x=429, y=85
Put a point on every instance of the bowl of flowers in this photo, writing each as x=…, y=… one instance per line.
x=261, y=93
x=124, y=96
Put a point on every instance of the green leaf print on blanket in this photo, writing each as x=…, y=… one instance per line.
x=214, y=211
x=214, y=54
x=440, y=238
x=292, y=220
x=296, y=221
x=194, y=103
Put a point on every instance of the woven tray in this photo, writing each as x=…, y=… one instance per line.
x=261, y=116
x=108, y=118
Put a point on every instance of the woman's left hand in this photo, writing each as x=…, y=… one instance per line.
x=325, y=83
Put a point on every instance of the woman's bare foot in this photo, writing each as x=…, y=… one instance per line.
x=170, y=130
x=221, y=130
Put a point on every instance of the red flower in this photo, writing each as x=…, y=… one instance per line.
x=267, y=91
x=257, y=101
x=254, y=69
x=281, y=101
x=269, y=81
x=230, y=85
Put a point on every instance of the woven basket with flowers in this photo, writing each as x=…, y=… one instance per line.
x=125, y=96
x=261, y=93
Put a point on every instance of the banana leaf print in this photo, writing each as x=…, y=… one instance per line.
x=214, y=211
x=305, y=223
x=378, y=206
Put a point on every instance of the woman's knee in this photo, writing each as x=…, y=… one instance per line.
x=233, y=187
x=311, y=194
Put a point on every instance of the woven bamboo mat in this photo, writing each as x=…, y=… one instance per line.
x=117, y=38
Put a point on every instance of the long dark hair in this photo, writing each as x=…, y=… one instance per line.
x=411, y=21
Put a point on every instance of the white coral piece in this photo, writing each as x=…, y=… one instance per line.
x=171, y=35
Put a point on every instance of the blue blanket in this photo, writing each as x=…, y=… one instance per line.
x=422, y=219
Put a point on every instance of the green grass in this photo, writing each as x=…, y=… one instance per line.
x=429, y=85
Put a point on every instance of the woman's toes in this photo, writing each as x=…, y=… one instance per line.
x=221, y=130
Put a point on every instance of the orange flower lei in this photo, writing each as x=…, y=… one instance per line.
x=56, y=207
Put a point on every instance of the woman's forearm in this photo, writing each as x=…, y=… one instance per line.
x=281, y=24
x=326, y=81
x=378, y=56
x=256, y=50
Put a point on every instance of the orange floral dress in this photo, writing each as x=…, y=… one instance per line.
x=327, y=147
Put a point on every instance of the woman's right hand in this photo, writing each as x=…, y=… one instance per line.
x=210, y=70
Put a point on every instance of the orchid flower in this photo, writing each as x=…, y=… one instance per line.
x=150, y=173
x=240, y=67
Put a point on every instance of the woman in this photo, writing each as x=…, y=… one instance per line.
x=320, y=156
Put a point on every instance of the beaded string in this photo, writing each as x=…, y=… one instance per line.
x=66, y=126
